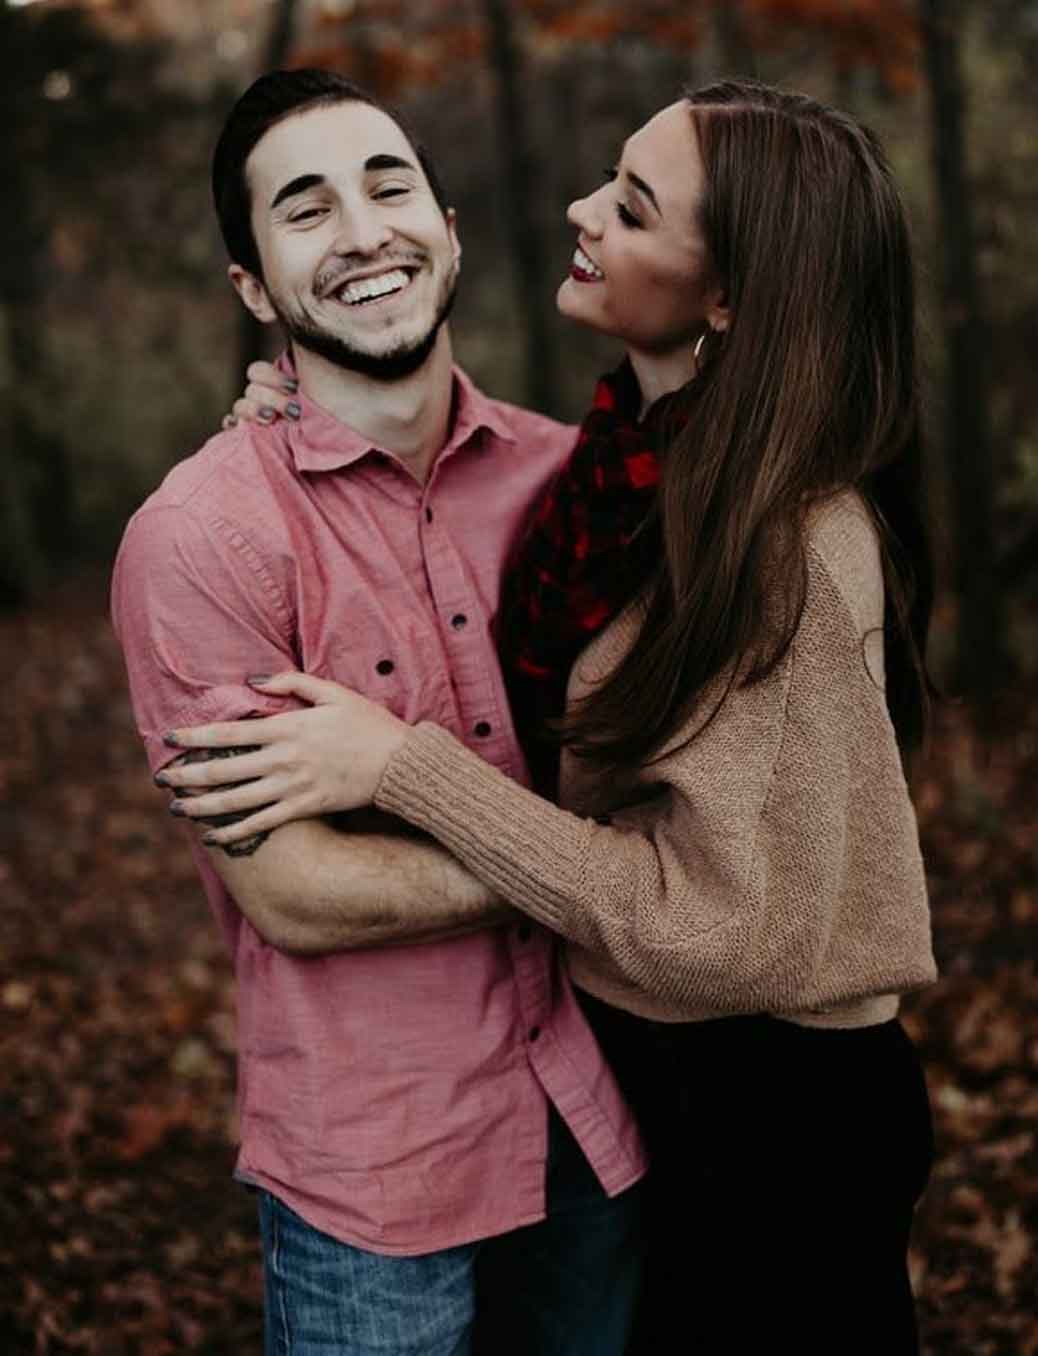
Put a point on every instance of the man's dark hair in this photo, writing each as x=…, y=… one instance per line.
x=268, y=101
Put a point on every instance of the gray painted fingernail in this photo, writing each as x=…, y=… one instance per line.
x=293, y=409
x=266, y=413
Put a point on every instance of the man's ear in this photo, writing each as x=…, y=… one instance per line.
x=253, y=293
x=452, y=230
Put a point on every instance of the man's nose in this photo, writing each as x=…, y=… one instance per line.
x=362, y=230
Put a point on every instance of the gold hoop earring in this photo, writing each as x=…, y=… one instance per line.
x=697, y=350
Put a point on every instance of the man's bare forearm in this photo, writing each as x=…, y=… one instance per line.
x=314, y=889
x=356, y=881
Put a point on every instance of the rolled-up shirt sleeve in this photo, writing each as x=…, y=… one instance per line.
x=197, y=609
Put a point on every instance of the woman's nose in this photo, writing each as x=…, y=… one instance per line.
x=585, y=215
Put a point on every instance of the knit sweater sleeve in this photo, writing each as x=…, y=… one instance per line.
x=725, y=889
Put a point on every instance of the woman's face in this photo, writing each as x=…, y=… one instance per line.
x=640, y=270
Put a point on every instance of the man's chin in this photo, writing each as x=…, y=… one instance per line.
x=391, y=365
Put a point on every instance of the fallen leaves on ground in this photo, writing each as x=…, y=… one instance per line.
x=120, y=1229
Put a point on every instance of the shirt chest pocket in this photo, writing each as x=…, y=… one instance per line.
x=389, y=653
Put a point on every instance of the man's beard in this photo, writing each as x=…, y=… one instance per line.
x=390, y=366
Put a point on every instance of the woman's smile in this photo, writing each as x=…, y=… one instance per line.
x=584, y=269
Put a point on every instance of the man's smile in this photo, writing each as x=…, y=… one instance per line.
x=372, y=285
x=364, y=291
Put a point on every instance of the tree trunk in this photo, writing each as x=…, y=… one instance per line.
x=251, y=334
x=21, y=562
x=981, y=640
x=282, y=34
x=734, y=51
x=35, y=486
x=521, y=193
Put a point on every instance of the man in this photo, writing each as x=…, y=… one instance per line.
x=425, y=1124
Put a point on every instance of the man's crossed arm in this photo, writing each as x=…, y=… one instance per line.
x=310, y=888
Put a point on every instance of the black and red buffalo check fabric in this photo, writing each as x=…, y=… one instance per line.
x=583, y=556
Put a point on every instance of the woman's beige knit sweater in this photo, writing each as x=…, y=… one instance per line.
x=771, y=865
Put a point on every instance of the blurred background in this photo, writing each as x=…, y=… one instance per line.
x=121, y=346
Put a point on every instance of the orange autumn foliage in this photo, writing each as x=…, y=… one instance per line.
x=881, y=34
x=385, y=44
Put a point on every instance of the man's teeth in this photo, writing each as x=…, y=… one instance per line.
x=585, y=265
x=369, y=288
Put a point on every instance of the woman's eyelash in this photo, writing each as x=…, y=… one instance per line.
x=625, y=214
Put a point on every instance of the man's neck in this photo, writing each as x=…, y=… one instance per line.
x=409, y=418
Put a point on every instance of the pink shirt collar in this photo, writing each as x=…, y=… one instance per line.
x=321, y=442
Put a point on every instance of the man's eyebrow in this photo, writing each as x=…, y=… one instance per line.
x=385, y=162
x=373, y=163
x=645, y=190
x=295, y=186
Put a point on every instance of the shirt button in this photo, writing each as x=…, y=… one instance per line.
x=524, y=932
x=534, y=1032
x=384, y=666
x=482, y=728
x=459, y=621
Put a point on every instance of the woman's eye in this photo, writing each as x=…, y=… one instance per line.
x=625, y=214
x=395, y=191
x=307, y=214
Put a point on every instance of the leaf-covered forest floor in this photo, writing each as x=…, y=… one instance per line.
x=120, y=1229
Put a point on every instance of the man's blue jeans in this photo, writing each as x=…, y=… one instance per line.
x=564, y=1287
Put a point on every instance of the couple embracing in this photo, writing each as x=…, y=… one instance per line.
x=549, y=784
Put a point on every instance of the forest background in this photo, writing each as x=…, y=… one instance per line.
x=120, y=348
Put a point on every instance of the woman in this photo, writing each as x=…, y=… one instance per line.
x=733, y=576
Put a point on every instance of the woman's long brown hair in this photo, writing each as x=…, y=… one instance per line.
x=813, y=389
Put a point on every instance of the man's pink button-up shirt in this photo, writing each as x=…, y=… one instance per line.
x=395, y=1098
